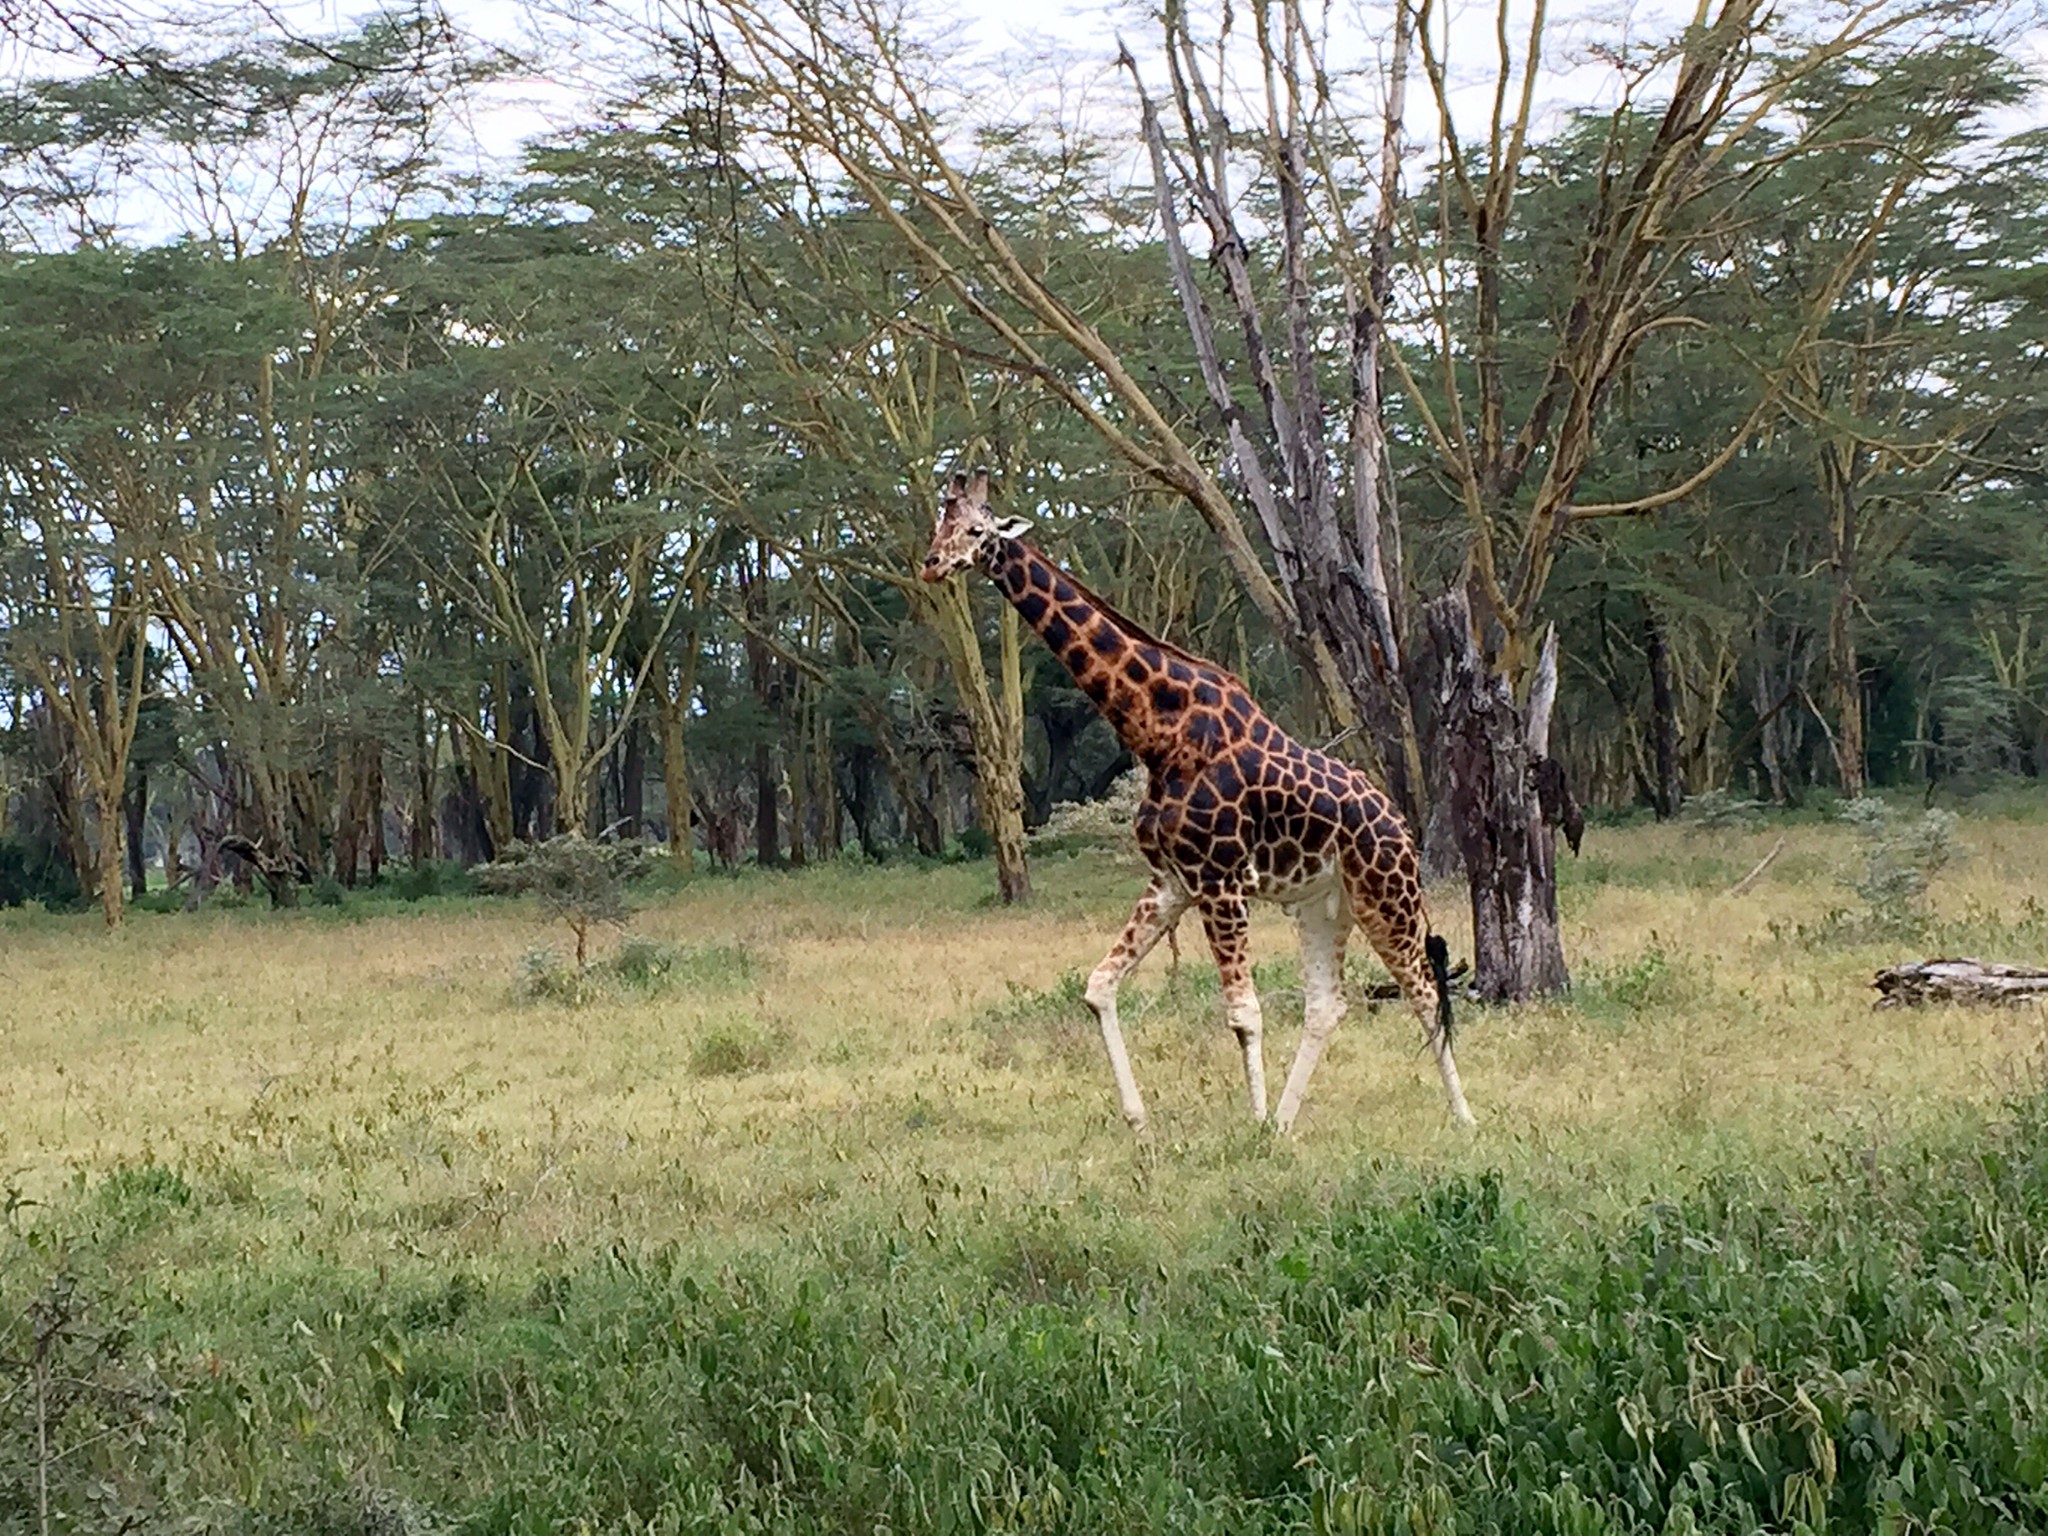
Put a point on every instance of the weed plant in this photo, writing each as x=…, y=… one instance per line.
x=1861, y=1351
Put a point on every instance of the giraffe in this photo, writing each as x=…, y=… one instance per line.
x=1234, y=811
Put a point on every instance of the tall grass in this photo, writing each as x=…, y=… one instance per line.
x=1861, y=1350
x=818, y=1215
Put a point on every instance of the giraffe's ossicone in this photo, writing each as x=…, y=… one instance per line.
x=1234, y=811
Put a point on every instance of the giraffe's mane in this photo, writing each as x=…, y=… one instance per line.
x=1139, y=632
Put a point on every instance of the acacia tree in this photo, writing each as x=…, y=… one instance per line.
x=540, y=494
x=840, y=81
x=133, y=345
x=1906, y=397
x=289, y=162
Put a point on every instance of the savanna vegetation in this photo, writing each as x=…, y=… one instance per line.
x=811, y=1209
x=380, y=506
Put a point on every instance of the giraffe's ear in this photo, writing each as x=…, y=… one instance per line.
x=1014, y=527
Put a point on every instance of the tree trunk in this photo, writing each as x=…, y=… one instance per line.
x=373, y=801
x=1497, y=761
x=797, y=768
x=831, y=833
x=107, y=807
x=675, y=764
x=420, y=845
x=1960, y=981
x=995, y=725
x=1845, y=687
x=633, y=780
x=347, y=805
x=767, y=837
x=1845, y=681
x=135, y=805
x=1670, y=794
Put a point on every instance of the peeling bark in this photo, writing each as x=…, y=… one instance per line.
x=1496, y=758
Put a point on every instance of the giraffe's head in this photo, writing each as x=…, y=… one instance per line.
x=968, y=533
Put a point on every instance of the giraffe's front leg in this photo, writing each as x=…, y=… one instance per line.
x=1323, y=926
x=1157, y=911
x=1227, y=920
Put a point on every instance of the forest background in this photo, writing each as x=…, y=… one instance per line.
x=366, y=502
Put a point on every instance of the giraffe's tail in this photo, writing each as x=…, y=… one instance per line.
x=1440, y=967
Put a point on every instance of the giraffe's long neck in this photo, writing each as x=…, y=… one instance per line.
x=1124, y=674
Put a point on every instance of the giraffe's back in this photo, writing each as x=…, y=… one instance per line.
x=1270, y=818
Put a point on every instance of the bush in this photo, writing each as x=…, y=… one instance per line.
x=580, y=881
x=435, y=877
x=645, y=965
x=32, y=870
x=545, y=978
x=736, y=1049
x=1901, y=856
x=1652, y=981
x=1718, y=811
x=638, y=965
x=1104, y=825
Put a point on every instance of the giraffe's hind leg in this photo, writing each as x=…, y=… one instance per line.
x=1323, y=925
x=1157, y=911
x=1227, y=920
x=1388, y=907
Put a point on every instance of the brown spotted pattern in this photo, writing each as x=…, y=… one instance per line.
x=1235, y=810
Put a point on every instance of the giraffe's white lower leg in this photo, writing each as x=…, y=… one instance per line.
x=1247, y=1022
x=1447, y=1068
x=1322, y=926
x=1228, y=922
x=1102, y=998
x=1155, y=913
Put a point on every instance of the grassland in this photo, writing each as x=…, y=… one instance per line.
x=380, y=1241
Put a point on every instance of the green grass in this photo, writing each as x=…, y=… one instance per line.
x=818, y=1215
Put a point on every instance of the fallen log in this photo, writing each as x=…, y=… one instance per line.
x=1960, y=981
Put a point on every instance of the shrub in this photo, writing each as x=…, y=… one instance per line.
x=580, y=881
x=1648, y=982
x=1105, y=824
x=434, y=877
x=545, y=978
x=1718, y=811
x=645, y=965
x=735, y=1049
x=1901, y=856
x=639, y=965
x=32, y=870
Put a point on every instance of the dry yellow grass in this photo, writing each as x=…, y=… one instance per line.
x=378, y=1087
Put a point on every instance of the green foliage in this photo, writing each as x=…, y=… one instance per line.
x=1102, y=825
x=140, y=1196
x=736, y=1048
x=646, y=967
x=1717, y=810
x=1628, y=991
x=1857, y=1352
x=434, y=877
x=32, y=870
x=581, y=881
x=544, y=977
x=1901, y=856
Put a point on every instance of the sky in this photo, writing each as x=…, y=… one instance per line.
x=1025, y=46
